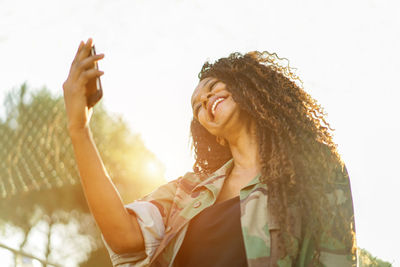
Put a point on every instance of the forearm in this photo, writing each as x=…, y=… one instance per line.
x=119, y=228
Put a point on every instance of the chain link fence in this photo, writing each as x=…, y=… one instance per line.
x=40, y=184
x=35, y=151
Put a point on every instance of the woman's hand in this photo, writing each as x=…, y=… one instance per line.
x=76, y=87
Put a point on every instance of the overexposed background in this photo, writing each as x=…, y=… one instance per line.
x=346, y=52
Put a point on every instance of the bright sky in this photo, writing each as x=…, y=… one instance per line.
x=347, y=53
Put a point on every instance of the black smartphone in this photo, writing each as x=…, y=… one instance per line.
x=95, y=91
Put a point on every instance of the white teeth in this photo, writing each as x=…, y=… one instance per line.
x=215, y=105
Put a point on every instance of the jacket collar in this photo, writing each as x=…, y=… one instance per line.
x=216, y=178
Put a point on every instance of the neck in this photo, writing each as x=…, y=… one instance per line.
x=244, y=148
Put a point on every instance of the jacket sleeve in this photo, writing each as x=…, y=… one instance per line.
x=336, y=246
x=151, y=212
x=339, y=247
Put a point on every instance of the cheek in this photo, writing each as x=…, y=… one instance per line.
x=226, y=109
x=202, y=118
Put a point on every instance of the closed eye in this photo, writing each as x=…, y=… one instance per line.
x=212, y=85
x=196, y=110
x=210, y=88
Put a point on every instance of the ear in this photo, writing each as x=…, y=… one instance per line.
x=221, y=141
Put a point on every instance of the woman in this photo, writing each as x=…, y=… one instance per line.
x=268, y=188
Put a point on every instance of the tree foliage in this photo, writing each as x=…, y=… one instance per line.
x=39, y=181
x=367, y=260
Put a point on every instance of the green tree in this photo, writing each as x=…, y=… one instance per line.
x=367, y=260
x=40, y=192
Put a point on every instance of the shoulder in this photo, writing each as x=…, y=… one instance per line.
x=188, y=181
x=169, y=191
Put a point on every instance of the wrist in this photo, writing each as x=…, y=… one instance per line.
x=76, y=132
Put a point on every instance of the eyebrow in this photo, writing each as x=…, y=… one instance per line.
x=207, y=82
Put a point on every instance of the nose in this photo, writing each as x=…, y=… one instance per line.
x=205, y=97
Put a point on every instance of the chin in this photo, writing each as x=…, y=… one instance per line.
x=224, y=123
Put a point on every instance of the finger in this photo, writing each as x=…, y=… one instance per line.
x=81, y=44
x=88, y=63
x=85, y=52
x=89, y=74
x=79, y=49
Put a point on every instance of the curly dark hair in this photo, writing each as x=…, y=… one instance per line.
x=299, y=160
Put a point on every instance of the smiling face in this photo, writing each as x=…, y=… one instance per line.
x=214, y=107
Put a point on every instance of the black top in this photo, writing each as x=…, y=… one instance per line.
x=214, y=238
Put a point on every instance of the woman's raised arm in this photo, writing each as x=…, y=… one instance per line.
x=119, y=228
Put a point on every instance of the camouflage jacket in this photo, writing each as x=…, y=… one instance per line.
x=164, y=216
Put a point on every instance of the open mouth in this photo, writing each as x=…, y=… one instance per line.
x=212, y=106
